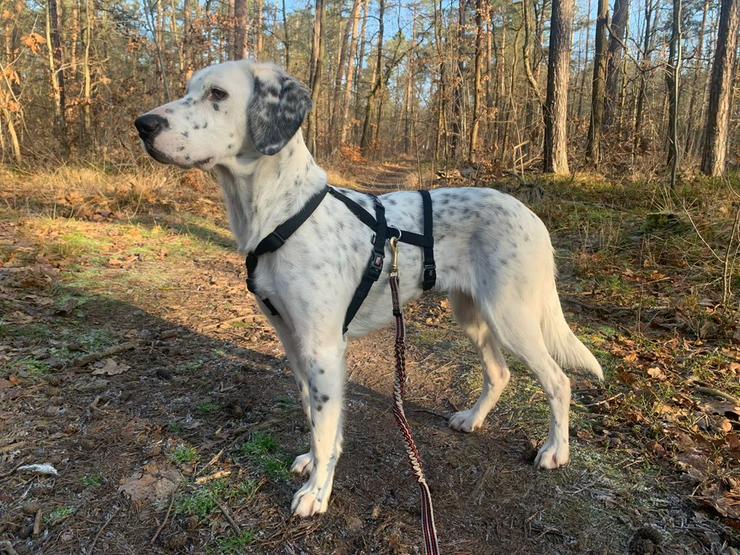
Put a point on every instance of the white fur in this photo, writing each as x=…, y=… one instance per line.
x=493, y=255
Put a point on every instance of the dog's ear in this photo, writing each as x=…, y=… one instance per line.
x=278, y=106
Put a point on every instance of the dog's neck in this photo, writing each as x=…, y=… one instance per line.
x=262, y=192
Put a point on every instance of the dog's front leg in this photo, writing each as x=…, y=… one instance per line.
x=303, y=464
x=326, y=372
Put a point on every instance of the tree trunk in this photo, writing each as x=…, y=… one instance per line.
x=637, y=138
x=558, y=73
x=87, y=73
x=344, y=121
x=614, y=60
x=598, y=87
x=691, y=141
x=720, y=93
x=241, y=30
x=582, y=88
x=365, y=139
x=315, y=77
x=259, y=28
x=480, y=9
x=672, y=80
x=286, y=41
x=458, y=113
x=56, y=72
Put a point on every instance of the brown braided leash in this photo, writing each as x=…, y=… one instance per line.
x=399, y=390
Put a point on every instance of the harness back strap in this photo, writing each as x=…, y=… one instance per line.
x=277, y=238
x=429, y=278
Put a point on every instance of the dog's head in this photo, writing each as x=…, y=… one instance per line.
x=241, y=108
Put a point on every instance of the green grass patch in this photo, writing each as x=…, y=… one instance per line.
x=235, y=545
x=59, y=514
x=203, y=501
x=184, y=455
x=93, y=481
x=262, y=449
x=208, y=407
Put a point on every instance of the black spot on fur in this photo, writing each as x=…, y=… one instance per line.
x=187, y=158
x=215, y=106
x=324, y=398
x=168, y=111
x=319, y=407
x=180, y=148
x=321, y=370
x=185, y=134
x=205, y=124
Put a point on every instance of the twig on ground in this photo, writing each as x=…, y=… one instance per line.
x=103, y=527
x=37, y=523
x=437, y=414
x=7, y=547
x=93, y=357
x=226, y=513
x=603, y=401
x=717, y=393
x=166, y=516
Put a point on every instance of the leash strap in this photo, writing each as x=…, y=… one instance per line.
x=429, y=277
x=431, y=546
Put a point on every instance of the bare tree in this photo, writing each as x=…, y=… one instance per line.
x=598, y=87
x=618, y=29
x=720, y=93
x=673, y=76
x=56, y=70
x=314, y=79
x=241, y=30
x=558, y=73
x=480, y=9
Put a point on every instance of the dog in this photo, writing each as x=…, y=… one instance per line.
x=241, y=121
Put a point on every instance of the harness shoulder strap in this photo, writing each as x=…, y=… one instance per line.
x=277, y=238
x=363, y=215
x=429, y=277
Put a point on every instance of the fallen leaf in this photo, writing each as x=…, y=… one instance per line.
x=111, y=368
x=153, y=484
x=657, y=373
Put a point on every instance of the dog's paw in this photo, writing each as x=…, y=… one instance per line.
x=465, y=421
x=308, y=501
x=303, y=464
x=552, y=455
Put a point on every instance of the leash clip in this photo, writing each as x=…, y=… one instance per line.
x=394, y=252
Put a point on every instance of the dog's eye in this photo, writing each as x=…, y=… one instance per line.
x=217, y=94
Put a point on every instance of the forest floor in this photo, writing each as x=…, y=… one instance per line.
x=133, y=360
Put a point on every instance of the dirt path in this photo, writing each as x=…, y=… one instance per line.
x=184, y=424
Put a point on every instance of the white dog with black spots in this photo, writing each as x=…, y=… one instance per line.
x=241, y=120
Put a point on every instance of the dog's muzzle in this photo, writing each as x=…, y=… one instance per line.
x=149, y=126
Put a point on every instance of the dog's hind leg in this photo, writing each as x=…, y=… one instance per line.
x=518, y=328
x=324, y=362
x=495, y=371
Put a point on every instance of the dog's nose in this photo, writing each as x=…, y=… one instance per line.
x=149, y=126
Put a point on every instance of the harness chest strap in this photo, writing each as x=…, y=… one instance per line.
x=378, y=224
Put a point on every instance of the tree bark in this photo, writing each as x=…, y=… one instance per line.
x=558, y=73
x=56, y=72
x=691, y=141
x=286, y=40
x=614, y=60
x=480, y=8
x=365, y=139
x=717, y=126
x=344, y=121
x=673, y=77
x=241, y=30
x=598, y=87
x=315, y=77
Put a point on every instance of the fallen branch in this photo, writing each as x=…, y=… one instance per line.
x=226, y=513
x=93, y=357
x=166, y=516
x=105, y=524
x=717, y=393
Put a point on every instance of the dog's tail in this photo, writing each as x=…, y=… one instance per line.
x=563, y=345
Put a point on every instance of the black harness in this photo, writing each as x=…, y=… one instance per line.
x=374, y=268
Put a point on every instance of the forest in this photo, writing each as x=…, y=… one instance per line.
x=512, y=85
x=146, y=403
